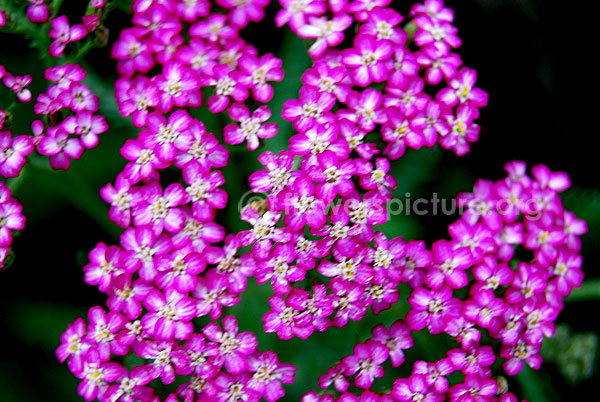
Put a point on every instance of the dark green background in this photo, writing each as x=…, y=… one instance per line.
x=532, y=56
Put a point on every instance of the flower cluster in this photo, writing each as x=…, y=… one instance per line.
x=314, y=239
x=169, y=269
x=69, y=121
x=11, y=219
x=380, y=85
x=515, y=303
x=67, y=139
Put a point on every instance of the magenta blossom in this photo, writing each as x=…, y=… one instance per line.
x=251, y=128
x=63, y=34
x=233, y=346
x=256, y=73
x=365, y=363
x=367, y=59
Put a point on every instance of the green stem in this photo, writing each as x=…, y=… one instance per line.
x=56, y=7
x=589, y=290
x=89, y=45
x=12, y=107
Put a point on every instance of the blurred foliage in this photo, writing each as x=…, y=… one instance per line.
x=575, y=354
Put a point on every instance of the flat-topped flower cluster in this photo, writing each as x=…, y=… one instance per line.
x=511, y=258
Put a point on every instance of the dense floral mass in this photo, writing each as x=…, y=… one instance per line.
x=495, y=286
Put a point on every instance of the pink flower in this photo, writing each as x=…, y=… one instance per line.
x=234, y=347
x=13, y=153
x=60, y=148
x=462, y=90
x=179, y=270
x=474, y=388
x=516, y=354
x=127, y=297
x=450, y=266
x=227, y=83
x=101, y=331
x=250, y=128
x=168, y=359
x=169, y=315
x=204, y=191
x=382, y=24
x=213, y=29
x=432, y=309
x=96, y=375
x=294, y=12
x=234, y=269
x=438, y=33
x=63, y=76
x=333, y=177
x=178, y=87
x=73, y=347
x=365, y=363
x=278, y=269
x=328, y=79
x=491, y=275
x=268, y=375
x=18, y=86
x=414, y=389
x=473, y=360
x=314, y=309
x=204, y=151
x=434, y=373
x=257, y=72
x=365, y=109
x=143, y=162
x=80, y=98
x=212, y=293
x=316, y=142
x=484, y=308
x=136, y=98
x=104, y=266
x=37, y=12
x=367, y=59
x=130, y=388
x=328, y=33
x=311, y=109
x=400, y=131
x=396, y=339
x=87, y=126
x=439, y=65
x=411, y=266
x=63, y=34
x=363, y=8
x=159, y=209
x=463, y=331
x=277, y=175
x=243, y=12
x=403, y=66
x=301, y=206
x=167, y=137
x=191, y=10
x=263, y=232
x=132, y=53
x=119, y=197
x=349, y=268
x=434, y=8
x=334, y=375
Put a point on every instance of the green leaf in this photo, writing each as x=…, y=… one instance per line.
x=535, y=387
x=589, y=290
